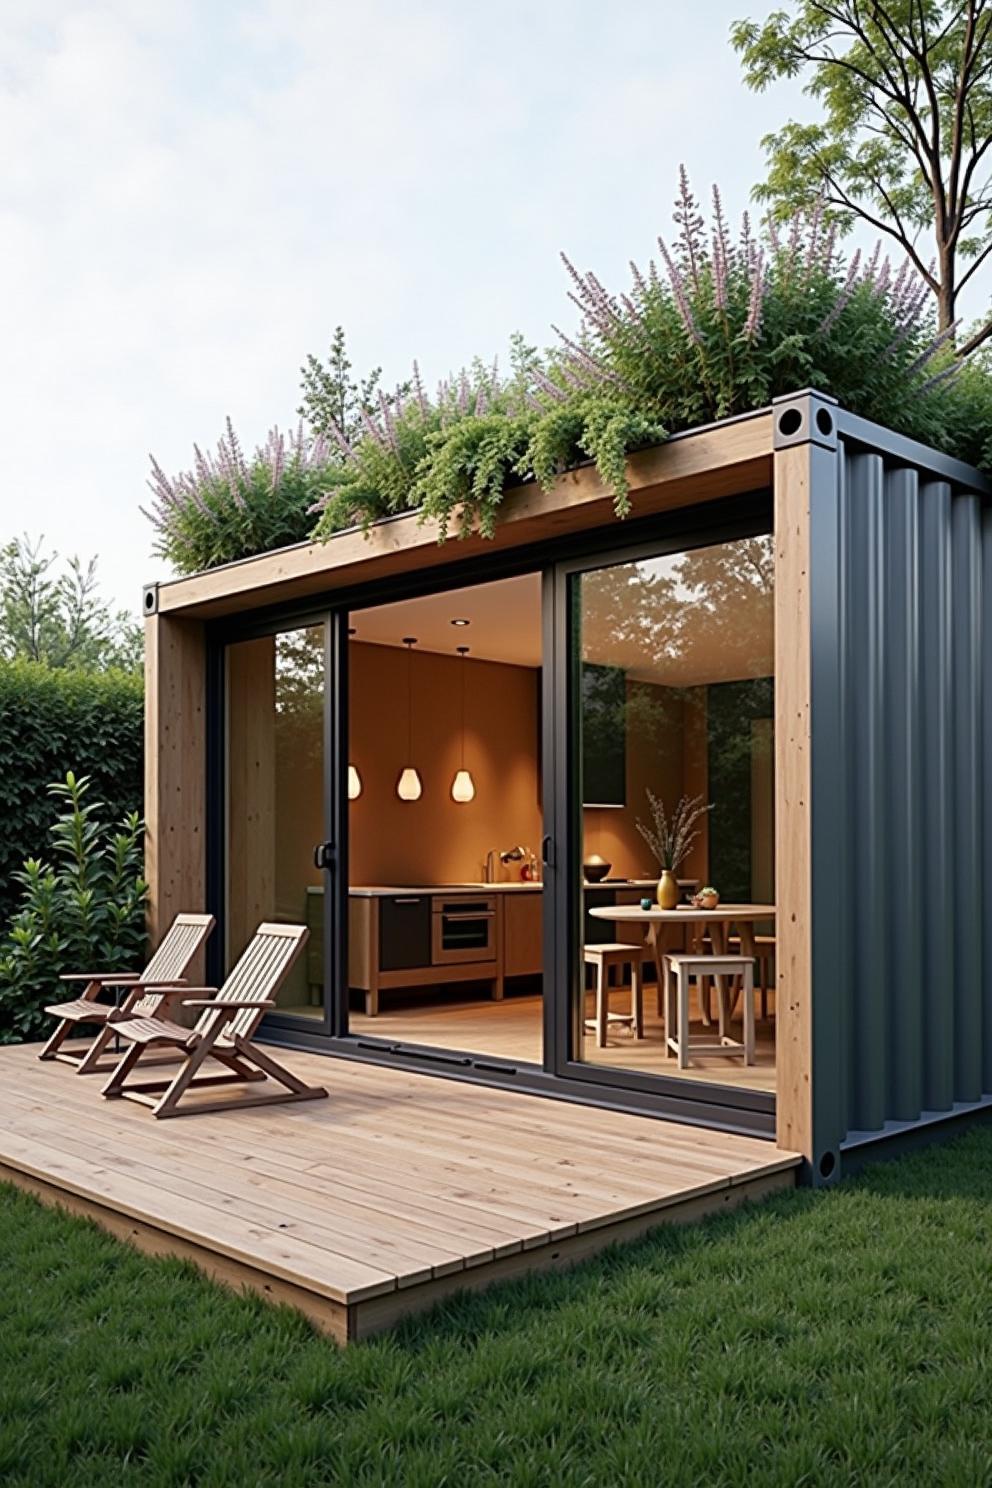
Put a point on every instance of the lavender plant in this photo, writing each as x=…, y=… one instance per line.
x=720, y=325
x=229, y=505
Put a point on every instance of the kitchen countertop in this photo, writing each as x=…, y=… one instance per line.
x=389, y=891
x=508, y=886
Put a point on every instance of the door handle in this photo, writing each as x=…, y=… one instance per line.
x=325, y=855
x=548, y=851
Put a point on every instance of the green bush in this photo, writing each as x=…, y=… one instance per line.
x=83, y=911
x=55, y=720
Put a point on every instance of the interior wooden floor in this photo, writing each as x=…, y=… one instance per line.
x=396, y=1191
x=511, y=1030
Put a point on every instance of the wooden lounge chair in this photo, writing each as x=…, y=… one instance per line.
x=223, y=1032
x=166, y=968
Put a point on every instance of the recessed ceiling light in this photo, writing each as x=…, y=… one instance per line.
x=461, y=622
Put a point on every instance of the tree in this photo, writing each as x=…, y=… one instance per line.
x=906, y=89
x=331, y=396
x=59, y=619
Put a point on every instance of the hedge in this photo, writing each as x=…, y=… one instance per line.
x=52, y=721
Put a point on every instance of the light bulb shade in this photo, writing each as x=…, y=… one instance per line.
x=408, y=787
x=354, y=783
x=463, y=787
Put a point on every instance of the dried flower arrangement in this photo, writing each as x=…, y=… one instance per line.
x=670, y=838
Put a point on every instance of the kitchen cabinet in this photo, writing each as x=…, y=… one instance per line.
x=404, y=932
x=522, y=934
x=423, y=938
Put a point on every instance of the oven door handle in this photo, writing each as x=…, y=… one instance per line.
x=453, y=915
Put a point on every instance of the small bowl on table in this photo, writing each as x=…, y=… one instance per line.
x=596, y=869
x=706, y=899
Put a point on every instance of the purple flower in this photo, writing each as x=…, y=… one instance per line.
x=681, y=295
x=418, y=388
x=844, y=296
x=756, y=300
x=690, y=224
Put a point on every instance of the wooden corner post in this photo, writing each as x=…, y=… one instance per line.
x=175, y=766
x=805, y=463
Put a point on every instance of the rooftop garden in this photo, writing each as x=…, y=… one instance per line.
x=717, y=324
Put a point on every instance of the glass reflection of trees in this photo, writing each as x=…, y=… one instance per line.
x=674, y=625
x=299, y=694
x=714, y=602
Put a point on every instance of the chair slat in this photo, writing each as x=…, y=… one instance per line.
x=255, y=976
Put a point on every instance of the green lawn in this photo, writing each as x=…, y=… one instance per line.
x=843, y=1337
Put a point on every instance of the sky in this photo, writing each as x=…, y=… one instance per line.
x=193, y=195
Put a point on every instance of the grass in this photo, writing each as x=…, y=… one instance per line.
x=833, y=1338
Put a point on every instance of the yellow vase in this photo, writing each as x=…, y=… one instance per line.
x=668, y=890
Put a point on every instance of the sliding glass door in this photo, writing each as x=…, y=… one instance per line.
x=278, y=833
x=664, y=707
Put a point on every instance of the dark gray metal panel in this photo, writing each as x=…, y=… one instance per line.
x=986, y=676
x=901, y=798
x=937, y=865
x=856, y=431
x=903, y=783
x=966, y=650
x=829, y=807
x=866, y=847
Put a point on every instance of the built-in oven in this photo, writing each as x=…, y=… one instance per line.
x=463, y=929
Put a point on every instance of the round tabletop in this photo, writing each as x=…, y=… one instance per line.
x=633, y=913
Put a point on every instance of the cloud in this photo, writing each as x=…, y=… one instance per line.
x=194, y=195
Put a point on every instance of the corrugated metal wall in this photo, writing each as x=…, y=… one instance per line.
x=902, y=793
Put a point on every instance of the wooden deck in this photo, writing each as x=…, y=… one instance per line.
x=397, y=1191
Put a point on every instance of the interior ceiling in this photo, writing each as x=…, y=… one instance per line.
x=505, y=626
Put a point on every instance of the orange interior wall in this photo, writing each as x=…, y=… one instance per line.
x=435, y=840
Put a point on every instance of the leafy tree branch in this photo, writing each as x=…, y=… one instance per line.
x=906, y=92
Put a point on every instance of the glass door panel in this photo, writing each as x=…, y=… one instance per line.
x=671, y=692
x=275, y=691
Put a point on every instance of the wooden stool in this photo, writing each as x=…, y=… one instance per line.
x=764, y=950
x=677, y=971
x=603, y=957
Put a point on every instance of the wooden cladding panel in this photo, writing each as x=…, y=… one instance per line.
x=793, y=836
x=175, y=771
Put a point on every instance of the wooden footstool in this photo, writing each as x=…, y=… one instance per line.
x=603, y=957
x=678, y=969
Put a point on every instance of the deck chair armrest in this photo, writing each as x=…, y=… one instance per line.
x=177, y=988
x=236, y=1006
x=167, y=993
x=107, y=978
x=153, y=986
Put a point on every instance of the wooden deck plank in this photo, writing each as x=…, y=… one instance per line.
x=394, y=1250
x=400, y=1185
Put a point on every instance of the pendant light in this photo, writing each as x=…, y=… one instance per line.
x=463, y=786
x=409, y=787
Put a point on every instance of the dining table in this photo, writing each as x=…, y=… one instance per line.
x=664, y=929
